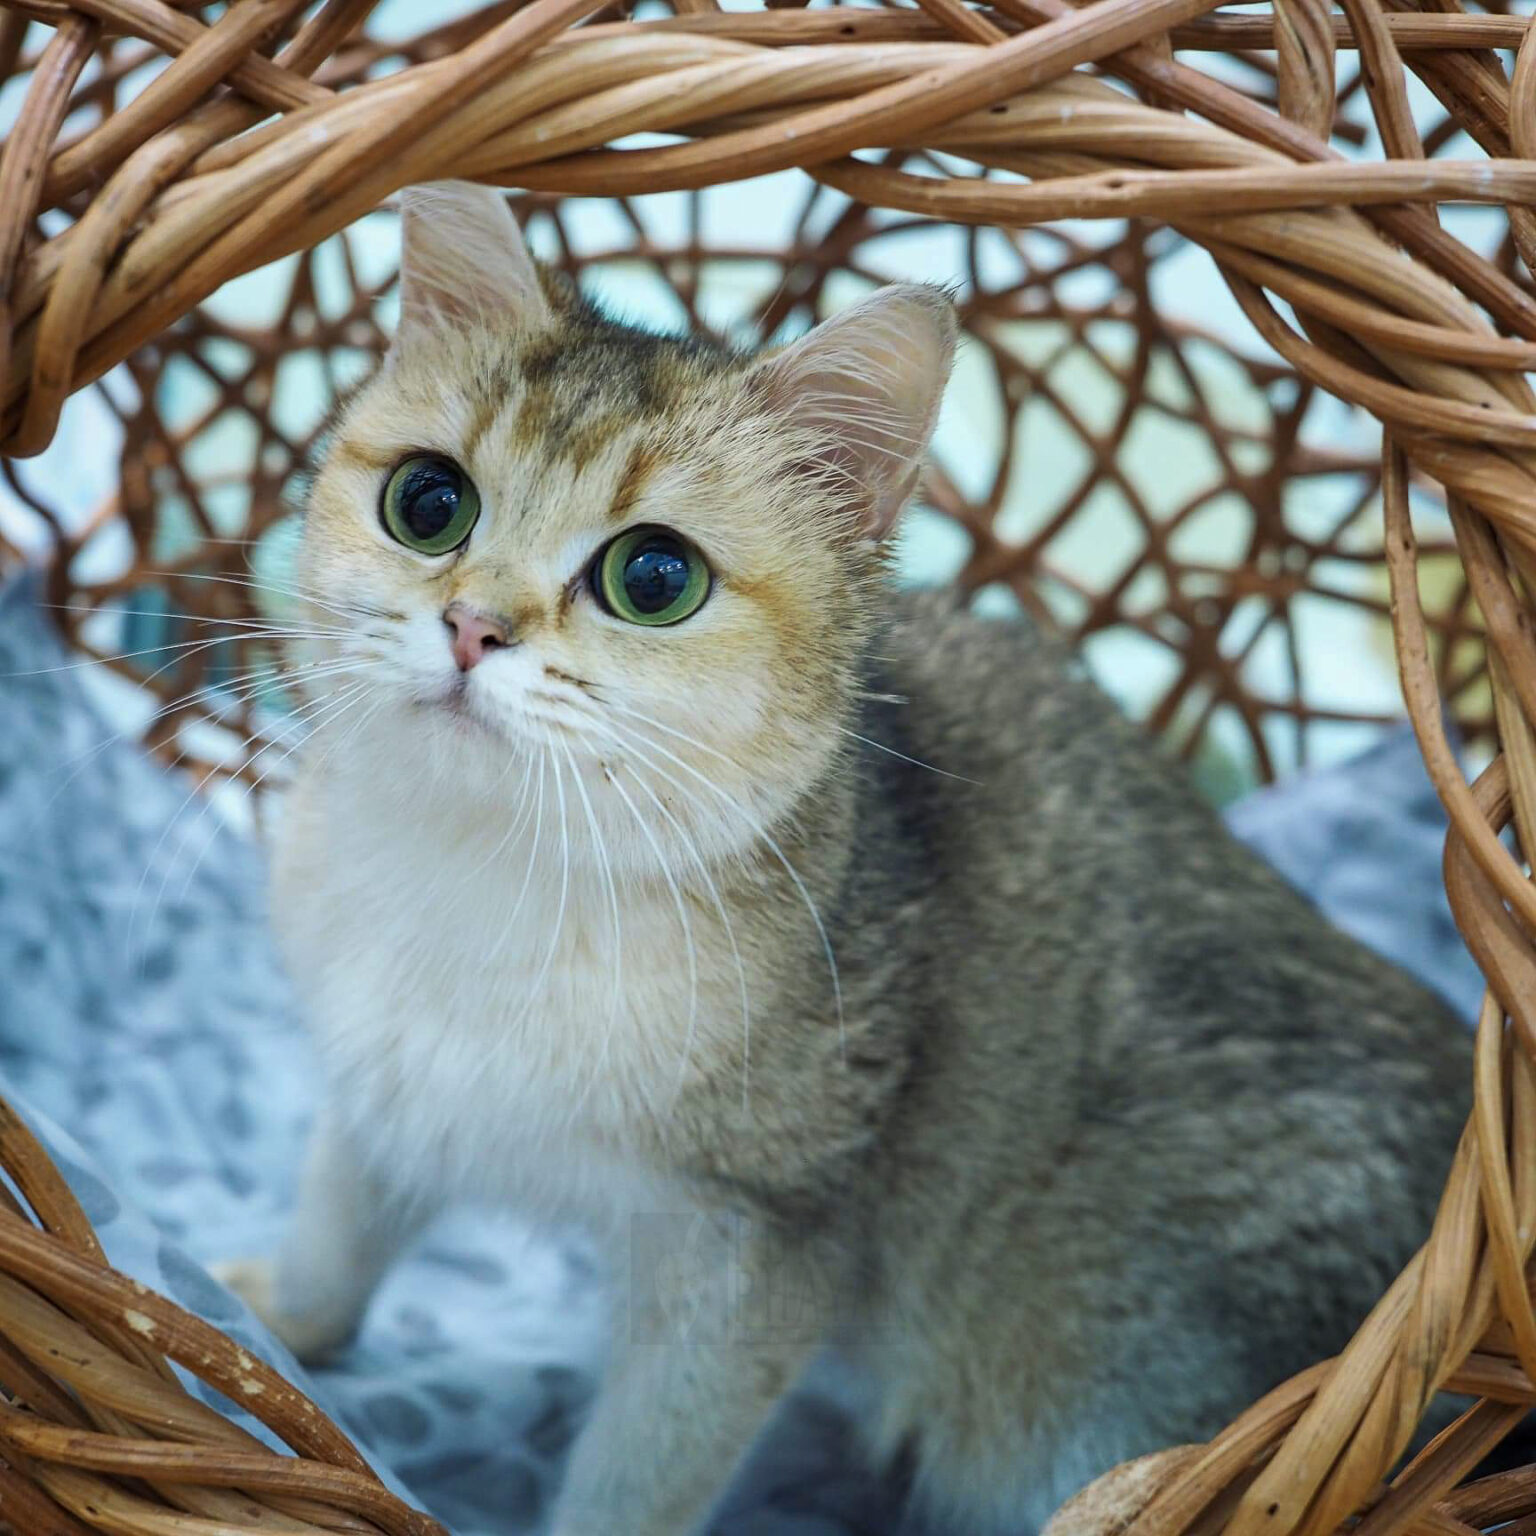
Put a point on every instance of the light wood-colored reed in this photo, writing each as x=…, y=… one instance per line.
x=277, y=124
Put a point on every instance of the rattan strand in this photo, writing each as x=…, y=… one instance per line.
x=265, y=136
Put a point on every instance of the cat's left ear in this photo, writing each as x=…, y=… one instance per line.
x=867, y=385
x=463, y=262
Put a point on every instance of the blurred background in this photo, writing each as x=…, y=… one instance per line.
x=1118, y=450
x=1119, y=454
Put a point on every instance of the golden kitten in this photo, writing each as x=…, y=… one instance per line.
x=624, y=895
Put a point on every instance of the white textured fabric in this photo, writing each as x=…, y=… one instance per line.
x=141, y=1008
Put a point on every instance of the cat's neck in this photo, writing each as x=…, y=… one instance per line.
x=651, y=831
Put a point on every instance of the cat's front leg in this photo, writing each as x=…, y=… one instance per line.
x=701, y=1354
x=345, y=1229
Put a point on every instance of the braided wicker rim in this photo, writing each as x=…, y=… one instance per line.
x=1176, y=606
x=267, y=134
x=100, y=1435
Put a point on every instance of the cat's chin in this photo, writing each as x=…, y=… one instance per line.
x=456, y=713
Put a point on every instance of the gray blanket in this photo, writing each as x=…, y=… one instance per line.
x=147, y=1034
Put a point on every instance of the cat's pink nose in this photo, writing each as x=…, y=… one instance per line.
x=475, y=635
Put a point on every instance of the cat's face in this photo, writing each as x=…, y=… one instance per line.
x=635, y=567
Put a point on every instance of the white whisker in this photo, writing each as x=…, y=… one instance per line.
x=916, y=762
x=261, y=625
x=537, y=986
x=533, y=847
x=95, y=660
x=174, y=821
x=718, y=902
x=601, y=850
x=768, y=841
x=693, y=961
x=351, y=610
x=240, y=688
x=515, y=825
x=352, y=694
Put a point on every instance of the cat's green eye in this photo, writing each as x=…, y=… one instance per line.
x=429, y=504
x=651, y=576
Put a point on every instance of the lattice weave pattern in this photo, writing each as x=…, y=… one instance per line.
x=1106, y=373
x=275, y=125
x=98, y=1432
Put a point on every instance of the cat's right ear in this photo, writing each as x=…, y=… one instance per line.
x=865, y=388
x=463, y=263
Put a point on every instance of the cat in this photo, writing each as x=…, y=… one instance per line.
x=841, y=961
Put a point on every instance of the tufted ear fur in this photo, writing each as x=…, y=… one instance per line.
x=866, y=386
x=463, y=262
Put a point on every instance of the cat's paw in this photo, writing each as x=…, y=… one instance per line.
x=308, y=1336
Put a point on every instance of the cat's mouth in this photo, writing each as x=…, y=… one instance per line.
x=457, y=706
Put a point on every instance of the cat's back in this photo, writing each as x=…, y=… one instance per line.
x=1042, y=808
x=1112, y=957
x=1159, y=1108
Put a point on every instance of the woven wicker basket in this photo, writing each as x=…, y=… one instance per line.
x=1282, y=143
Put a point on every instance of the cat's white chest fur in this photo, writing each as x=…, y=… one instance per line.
x=495, y=1019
